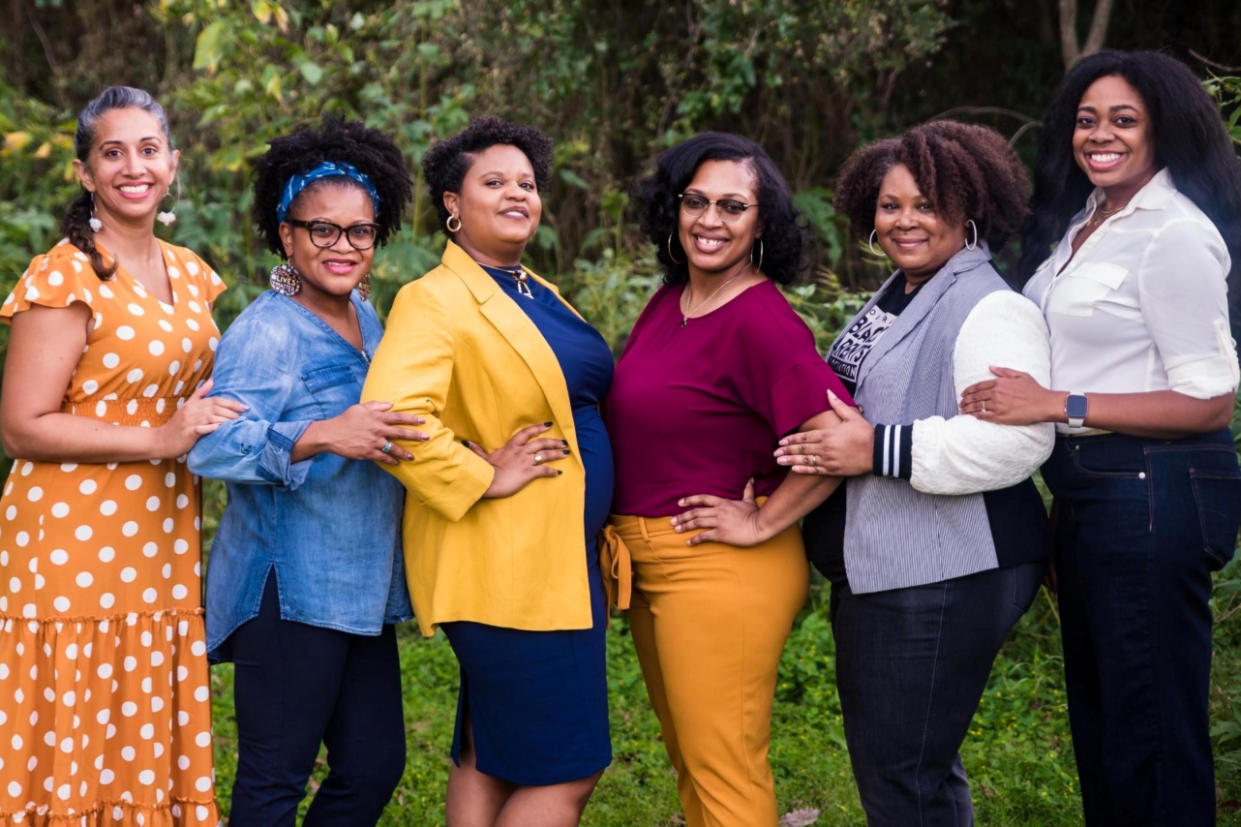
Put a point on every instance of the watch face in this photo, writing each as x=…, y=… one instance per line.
x=1075, y=407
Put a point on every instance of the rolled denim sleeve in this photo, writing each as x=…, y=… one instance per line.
x=255, y=365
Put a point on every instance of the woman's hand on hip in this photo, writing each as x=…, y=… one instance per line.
x=1012, y=398
x=368, y=430
x=735, y=522
x=522, y=459
x=843, y=450
x=197, y=416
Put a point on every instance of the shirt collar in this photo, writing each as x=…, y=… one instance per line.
x=1154, y=195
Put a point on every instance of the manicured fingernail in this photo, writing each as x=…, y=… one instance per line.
x=564, y=442
x=559, y=472
x=466, y=443
x=832, y=396
x=567, y=452
x=547, y=424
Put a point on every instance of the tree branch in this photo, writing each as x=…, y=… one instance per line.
x=1098, y=27
x=1068, y=32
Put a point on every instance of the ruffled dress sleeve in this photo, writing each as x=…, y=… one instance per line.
x=58, y=278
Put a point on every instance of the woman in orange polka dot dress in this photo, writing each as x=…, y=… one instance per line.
x=104, y=700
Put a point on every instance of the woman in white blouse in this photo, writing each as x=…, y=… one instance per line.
x=1138, y=181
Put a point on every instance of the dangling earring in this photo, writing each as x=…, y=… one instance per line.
x=758, y=266
x=870, y=242
x=95, y=224
x=285, y=279
x=364, y=286
x=451, y=228
x=169, y=217
x=974, y=227
x=670, y=255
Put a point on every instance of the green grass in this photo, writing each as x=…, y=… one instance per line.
x=1018, y=753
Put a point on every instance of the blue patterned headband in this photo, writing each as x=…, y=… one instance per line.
x=327, y=169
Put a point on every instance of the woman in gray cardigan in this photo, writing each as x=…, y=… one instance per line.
x=940, y=541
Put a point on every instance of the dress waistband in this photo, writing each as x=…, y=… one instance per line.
x=146, y=412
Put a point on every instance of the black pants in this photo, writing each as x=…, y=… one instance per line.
x=1142, y=522
x=911, y=666
x=297, y=686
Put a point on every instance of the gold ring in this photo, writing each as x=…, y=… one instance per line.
x=814, y=459
x=538, y=458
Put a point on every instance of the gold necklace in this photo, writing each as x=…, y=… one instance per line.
x=1100, y=215
x=685, y=313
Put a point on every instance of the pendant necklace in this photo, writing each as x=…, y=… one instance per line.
x=521, y=278
x=685, y=313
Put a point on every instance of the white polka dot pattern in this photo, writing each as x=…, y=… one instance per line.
x=104, y=708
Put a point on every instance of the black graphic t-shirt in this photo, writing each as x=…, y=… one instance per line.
x=852, y=346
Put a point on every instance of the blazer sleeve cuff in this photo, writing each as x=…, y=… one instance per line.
x=893, y=451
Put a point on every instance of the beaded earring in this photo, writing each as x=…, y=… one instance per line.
x=95, y=224
x=285, y=279
x=364, y=287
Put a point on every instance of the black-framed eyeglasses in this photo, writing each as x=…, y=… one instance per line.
x=729, y=209
x=361, y=236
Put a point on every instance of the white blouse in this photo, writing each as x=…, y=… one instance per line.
x=1143, y=306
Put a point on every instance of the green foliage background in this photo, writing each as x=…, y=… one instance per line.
x=613, y=82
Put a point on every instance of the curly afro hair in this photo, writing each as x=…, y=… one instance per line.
x=784, y=239
x=369, y=150
x=965, y=171
x=446, y=163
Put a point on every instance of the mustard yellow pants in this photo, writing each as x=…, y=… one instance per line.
x=709, y=623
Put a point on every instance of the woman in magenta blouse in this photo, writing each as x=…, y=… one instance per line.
x=716, y=370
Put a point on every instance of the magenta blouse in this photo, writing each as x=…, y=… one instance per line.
x=699, y=409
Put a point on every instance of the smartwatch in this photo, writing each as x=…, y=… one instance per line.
x=1075, y=409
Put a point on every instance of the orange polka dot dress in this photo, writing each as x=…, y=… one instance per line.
x=105, y=714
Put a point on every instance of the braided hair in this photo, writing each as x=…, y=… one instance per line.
x=965, y=171
x=370, y=151
x=76, y=222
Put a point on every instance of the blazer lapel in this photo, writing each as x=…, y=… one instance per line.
x=517, y=328
x=926, y=299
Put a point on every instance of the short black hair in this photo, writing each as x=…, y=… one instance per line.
x=372, y=152
x=446, y=163
x=1190, y=141
x=966, y=172
x=784, y=236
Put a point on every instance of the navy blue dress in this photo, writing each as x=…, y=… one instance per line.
x=537, y=702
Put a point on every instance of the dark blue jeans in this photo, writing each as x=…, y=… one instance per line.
x=1139, y=525
x=911, y=666
x=297, y=686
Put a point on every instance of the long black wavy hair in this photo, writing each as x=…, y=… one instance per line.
x=784, y=236
x=372, y=152
x=76, y=222
x=1189, y=138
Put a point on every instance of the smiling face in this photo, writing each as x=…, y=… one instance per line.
x=917, y=239
x=328, y=273
x=498, y=206
x=717, y=243
x=1112, y=141
x=129, y=168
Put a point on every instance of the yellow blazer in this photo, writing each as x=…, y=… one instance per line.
x=460, y=353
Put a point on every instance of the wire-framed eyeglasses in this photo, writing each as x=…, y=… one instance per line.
x=729, y=209
x=360, y=236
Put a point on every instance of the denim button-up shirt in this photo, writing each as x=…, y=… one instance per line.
x=328, y=527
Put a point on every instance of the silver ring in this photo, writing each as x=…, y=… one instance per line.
x=984, y=406
x=387, y=449
x=814, y=459
x=538, y=459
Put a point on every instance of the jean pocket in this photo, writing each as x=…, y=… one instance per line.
x=1217, y=496
x=1098, y=462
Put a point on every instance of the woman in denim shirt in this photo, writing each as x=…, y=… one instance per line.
x=305, y=577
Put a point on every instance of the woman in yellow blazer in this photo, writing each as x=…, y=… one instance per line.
x=506, y=497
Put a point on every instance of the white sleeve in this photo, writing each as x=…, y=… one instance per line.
x=1183, y=290
x=965, y=455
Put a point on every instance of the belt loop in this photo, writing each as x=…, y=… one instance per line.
x=642, y=527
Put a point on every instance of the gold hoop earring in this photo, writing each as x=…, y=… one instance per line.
x=870, y=242
x=451, y=228
x=670, y=255
x=758, y=266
